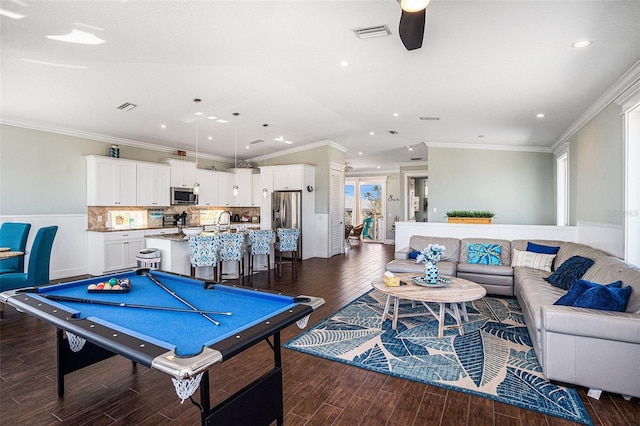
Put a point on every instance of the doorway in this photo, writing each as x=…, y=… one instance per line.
x=416, y=205
x=364, y=205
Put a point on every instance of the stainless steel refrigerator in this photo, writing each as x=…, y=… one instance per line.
x=287, y=213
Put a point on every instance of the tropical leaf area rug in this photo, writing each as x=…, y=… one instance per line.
x=494, y=359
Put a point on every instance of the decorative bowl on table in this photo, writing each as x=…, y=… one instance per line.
x=192, y=232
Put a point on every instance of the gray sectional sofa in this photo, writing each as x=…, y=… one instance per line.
x=588, y=347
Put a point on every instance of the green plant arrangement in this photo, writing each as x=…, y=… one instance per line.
x=470, y=213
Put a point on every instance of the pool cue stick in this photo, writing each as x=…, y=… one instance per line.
x=171, y=292
x=125, y=305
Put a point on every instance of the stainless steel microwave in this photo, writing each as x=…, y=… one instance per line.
x=183, y=196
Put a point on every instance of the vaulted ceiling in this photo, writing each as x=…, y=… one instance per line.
x=484, y=73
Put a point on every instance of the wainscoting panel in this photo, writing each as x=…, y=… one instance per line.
x=69, y=253
x=404, y=231
x=603, y=236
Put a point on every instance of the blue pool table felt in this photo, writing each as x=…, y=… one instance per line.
x=186, y=333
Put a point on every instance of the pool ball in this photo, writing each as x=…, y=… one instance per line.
x=107, y=286
x=113, y=281
x=99, y=286
x=124, y=281
x=116, y=287
x=91, y=287
x=124, y=285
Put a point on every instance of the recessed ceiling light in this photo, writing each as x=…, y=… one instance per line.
x=540, y=115
x=163, y=126
x=247, y=147
x=395, y=114
x=220, y=120
x=580, y=44
x=344, y=63
x=211, y=117
x=78, y=37
x=372, y=133
x=210, y=138
x=198, y=113
x=288, y=142
x=409, y=148
x=279, y=139
x=377, y=167
x=360, y=153
x=12, y=15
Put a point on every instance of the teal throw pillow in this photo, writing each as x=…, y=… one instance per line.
x=579, y=288
x=604, y=298
x=569, y=272
x=484, y=254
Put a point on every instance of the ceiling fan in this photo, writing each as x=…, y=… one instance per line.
x=412, y=21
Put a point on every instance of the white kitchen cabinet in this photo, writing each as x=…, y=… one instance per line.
x=258, y=186
x=225, y=185
x=244, y=178
x=209, y=190
x=153, y=184
x=114, y=251
x=183, y=173
x=288, y=178
x=110, y=181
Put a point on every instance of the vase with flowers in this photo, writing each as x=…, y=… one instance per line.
x=430, y=255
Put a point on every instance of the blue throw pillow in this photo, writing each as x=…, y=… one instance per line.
x=604, y=298
x=569, y=272
x=578, y=288
x=484, y=254
x=414, y=254
x=539, y=248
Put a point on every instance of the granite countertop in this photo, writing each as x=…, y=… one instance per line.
x=170, y=237
x=140, y=228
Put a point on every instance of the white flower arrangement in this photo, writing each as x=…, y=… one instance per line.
x=430, y=254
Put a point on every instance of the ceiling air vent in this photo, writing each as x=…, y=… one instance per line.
x=393, y=132
x=430, y=118
x=416, y=158
x=371, y=32
x=127, y=106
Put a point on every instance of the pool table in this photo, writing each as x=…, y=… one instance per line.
x=175, y=324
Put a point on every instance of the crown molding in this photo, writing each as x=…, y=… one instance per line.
x=619, y=92
x=463, y=145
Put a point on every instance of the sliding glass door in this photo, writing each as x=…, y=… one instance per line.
x=364, y=204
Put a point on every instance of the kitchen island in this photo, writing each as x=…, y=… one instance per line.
x=175, y=253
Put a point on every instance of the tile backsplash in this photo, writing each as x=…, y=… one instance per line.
x=143, y=217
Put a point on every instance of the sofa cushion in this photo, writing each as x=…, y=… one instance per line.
x=569, y=272
x=503, y=270
x=533, y=292
x=578, y=289
x=505, y=248
x=604, y=298
x=541, y=248
x=568, y=250
x=532, y=260
x=483, y=254
x=451, y=246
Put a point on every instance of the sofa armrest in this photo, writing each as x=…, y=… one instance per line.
x=618, y=326
x=403, y=253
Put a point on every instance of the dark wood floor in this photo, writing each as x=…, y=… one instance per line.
x=316, y=391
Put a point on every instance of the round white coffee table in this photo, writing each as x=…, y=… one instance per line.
x=457, y=292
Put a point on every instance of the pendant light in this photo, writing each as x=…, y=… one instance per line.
x=196, y=185
x=265, y=191
x=235, y=157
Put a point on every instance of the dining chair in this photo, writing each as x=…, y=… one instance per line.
x=204, y=252
x=287, y=243
x=231, y=250
x=260, y=241
x=39, y=262
x=14, y=236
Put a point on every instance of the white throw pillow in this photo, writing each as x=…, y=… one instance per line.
x=529, y=259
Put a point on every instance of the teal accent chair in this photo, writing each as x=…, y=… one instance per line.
x=39, y=261
x=368, y=228
x=13, y=235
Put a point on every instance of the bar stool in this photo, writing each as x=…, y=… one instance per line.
x=230, y=250
x=287, y=242
x=204, y=252
x=260, y=241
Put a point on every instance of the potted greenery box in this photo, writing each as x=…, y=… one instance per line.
x=470, y=216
